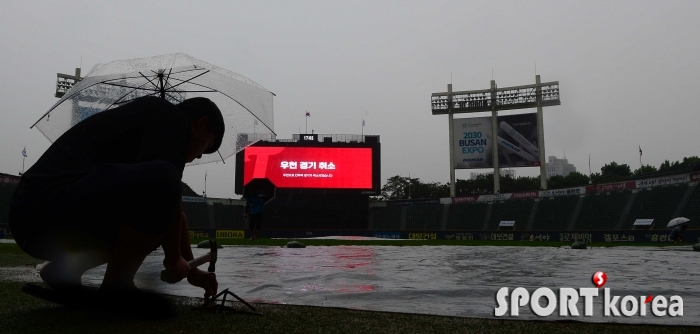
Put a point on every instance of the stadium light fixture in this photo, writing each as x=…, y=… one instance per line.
x=65, y=82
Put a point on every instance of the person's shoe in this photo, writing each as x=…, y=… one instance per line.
x=55, y=276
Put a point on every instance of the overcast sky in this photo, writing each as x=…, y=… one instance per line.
x=628, y=71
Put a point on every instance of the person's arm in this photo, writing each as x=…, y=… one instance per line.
x=171, y=242
x=196, y=276
x=185, y=247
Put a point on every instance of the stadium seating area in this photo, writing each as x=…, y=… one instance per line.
x=228, y=216
x=197, y=214
x=292, y=210
x=387, y=218
x=6, y=192
x=554, y=213
x=517, y=210
x=692, y=209
x=602, y=211
x=424, y=217
x=658, y=203
x=466, y=216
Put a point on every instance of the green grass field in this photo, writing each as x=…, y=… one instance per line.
x=21, y=313
x=12, y=256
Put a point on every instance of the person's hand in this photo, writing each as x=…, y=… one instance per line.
x=178, y=267
x=204, y=280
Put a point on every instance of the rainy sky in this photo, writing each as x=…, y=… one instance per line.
x=628, y=70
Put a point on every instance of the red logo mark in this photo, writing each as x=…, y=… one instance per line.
x=599, y=279
x=648, y=299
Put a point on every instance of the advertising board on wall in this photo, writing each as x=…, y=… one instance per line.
x=660, y=181
x=643, y=222
x=7, y=179
x=387, y=235
x=694, y=177
x=414, y=201
x=525, y=194
x=563, y=192
x=465, y=199
x=494, y=197
x=516, y=139
x=194, y=199
x=607, y=187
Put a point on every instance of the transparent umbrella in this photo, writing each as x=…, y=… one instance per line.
x=246, y=106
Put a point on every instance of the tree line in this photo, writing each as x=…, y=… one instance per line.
x=401, y=187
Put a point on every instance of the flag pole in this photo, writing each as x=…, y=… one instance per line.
x=24, y=156
x=640, y=158
x=590, y=175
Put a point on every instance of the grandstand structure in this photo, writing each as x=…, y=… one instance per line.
x=613, y=210
x=597, y=212
x=8, y=183
x=298, y=210
x=605, y=212
x=213, y=213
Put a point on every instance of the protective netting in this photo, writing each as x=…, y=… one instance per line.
x=247, y=107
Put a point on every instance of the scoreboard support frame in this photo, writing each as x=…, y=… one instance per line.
x=494, y=99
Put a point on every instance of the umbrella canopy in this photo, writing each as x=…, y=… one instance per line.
x=260, y=186
x=677, y=221
x=245, y=105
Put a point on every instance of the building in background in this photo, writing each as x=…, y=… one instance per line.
x=503, y=171
x=556, y=166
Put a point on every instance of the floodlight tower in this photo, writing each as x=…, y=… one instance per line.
x=65, y=82
x=494, y=99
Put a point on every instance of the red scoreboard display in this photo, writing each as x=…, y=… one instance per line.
x=346, y=167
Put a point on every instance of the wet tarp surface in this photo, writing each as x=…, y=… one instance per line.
x=442, y=280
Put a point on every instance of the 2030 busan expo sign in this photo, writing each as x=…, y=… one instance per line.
x=310, y=167
x=516, y=139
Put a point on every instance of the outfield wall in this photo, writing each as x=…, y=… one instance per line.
x=605, y=212
x=621, y=236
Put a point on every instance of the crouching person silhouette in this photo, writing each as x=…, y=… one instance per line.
x=109, y=191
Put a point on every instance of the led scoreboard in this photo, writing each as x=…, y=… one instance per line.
x=311, y=165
